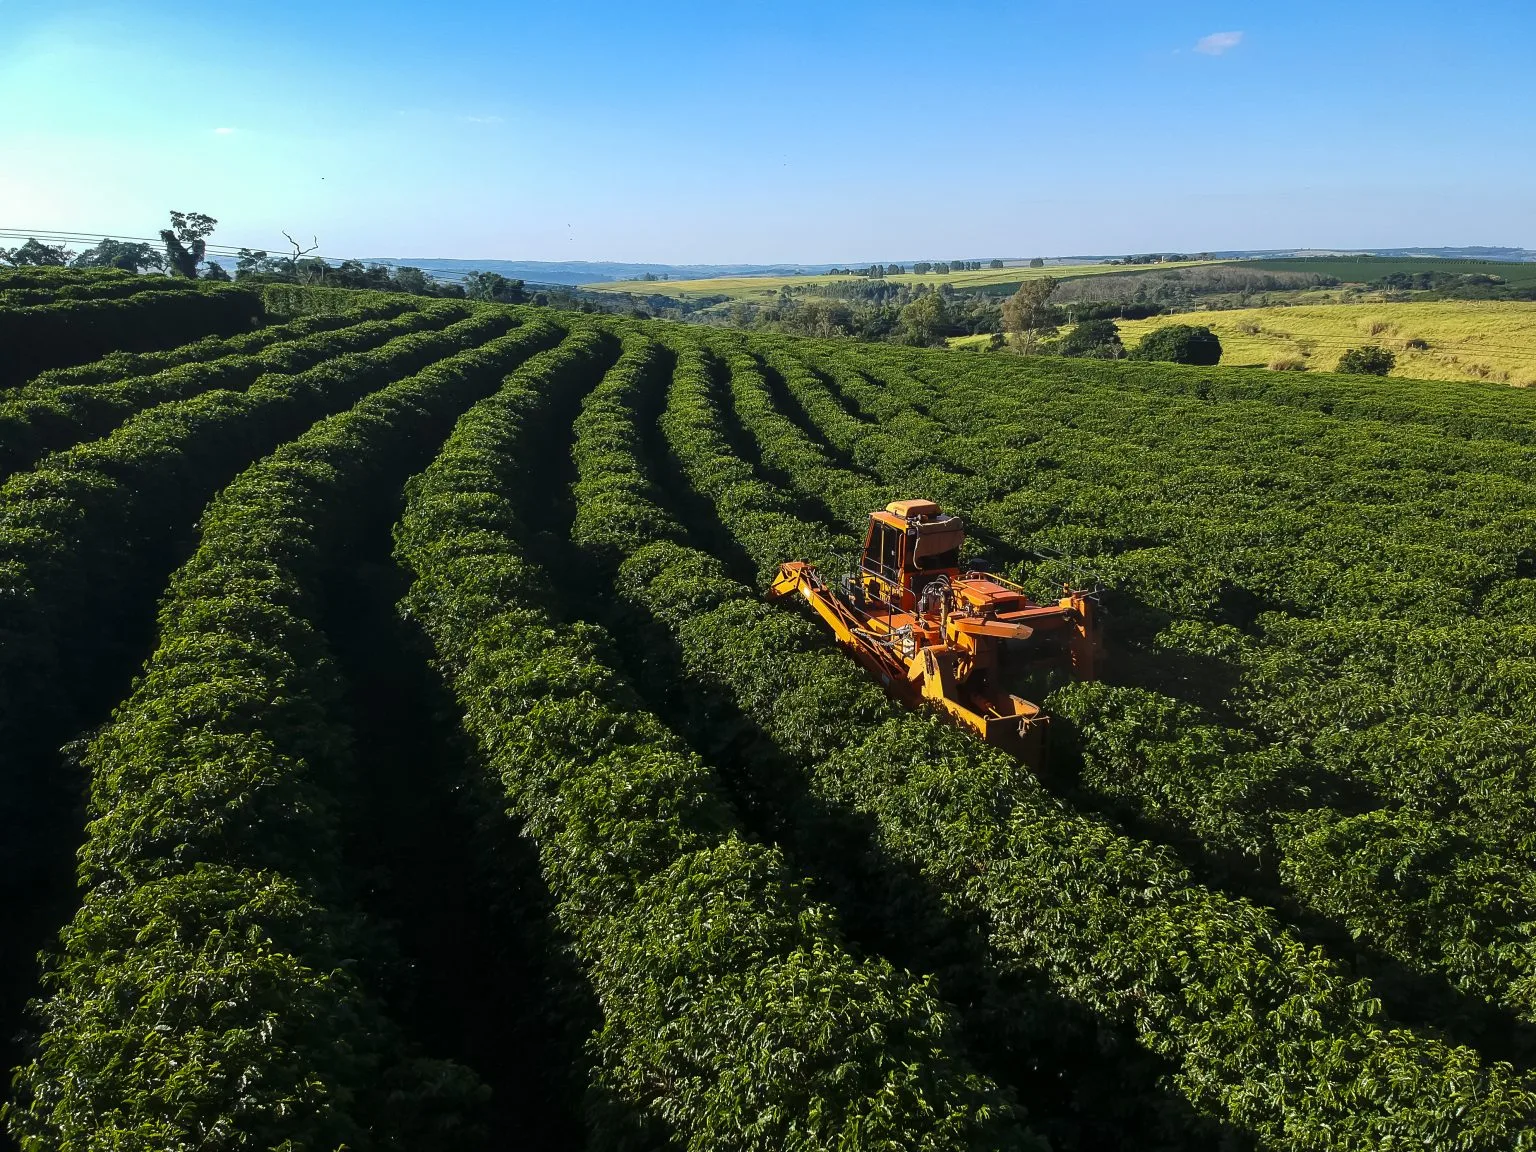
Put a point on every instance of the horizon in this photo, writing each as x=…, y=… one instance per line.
x=714, y=137
x=1064, y=258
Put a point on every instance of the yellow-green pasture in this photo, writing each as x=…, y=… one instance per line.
x=767, y=287
x=1466, y=339
x=979, y=341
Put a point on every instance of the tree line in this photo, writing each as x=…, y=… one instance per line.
x=920, y=268
x=184, y=253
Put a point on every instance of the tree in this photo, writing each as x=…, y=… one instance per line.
x=1028, y=315
x=215, y=271
x=1371, y=360
x=186, y=241
x=926, y=320
x=412, y=280
x=495, y=287
x=309, y=271
x=1037, y=262
x=1179, y=344
x=1093, y=339
x=34, y=254
x=249, y=263
x=995, y=264
x=131, y=257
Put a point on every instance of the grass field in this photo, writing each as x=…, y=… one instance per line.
x=767, y=287
x=1349, y=269
x=1468, y=340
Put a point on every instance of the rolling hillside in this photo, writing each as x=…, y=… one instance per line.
x=767, y=287
x=1433, y=340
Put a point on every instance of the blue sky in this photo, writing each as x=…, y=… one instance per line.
x=814, y=132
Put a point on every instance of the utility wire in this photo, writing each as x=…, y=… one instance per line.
x=90, y=237
x=229, y=251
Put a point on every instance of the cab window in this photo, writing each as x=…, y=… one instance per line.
x=889, y=554
x=883, y=555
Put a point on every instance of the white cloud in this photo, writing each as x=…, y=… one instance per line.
x=481, y=119
x=223, y=131
x=1218, y=42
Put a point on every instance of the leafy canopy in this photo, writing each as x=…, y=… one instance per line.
x=186, y=241
x=1371, y=360
x=1179, y=344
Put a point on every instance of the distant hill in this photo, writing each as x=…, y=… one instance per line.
x=578, y=272
x=1472, y=252
x=596, y=271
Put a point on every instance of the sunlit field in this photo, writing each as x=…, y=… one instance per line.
x=766, y=287
x=1461, y=340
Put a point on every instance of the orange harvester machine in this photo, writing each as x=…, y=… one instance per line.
x=959, y=639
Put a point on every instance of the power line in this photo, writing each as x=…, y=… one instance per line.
x=229, y=251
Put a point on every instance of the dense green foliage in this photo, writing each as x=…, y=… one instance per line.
x=119, y=365
x=768, y=1034
x=1272, y=889
x=1372, y=360
x=214, y=900
x=67, y=332
x=47, y=414
x=66, y=526
x=87, y=539
x=1120, y=888
x=1098, y=339
x=1179, y=344
x=1335, y=737
x=25, y=290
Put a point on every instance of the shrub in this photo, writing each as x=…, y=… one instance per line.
x=76, y=331
x=1179, y=344
x=1288, y=364
x=1094, y=339
x=211, y=862
x=1417, y=344
x=1372, y=360
x=39, y=418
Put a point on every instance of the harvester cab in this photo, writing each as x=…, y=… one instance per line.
x=962, y=640
x=908, y=545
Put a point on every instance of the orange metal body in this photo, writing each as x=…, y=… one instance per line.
x=932, y=632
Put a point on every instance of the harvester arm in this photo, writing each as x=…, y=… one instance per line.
x=999, y=629
x=799, y=578
x=794, y=578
